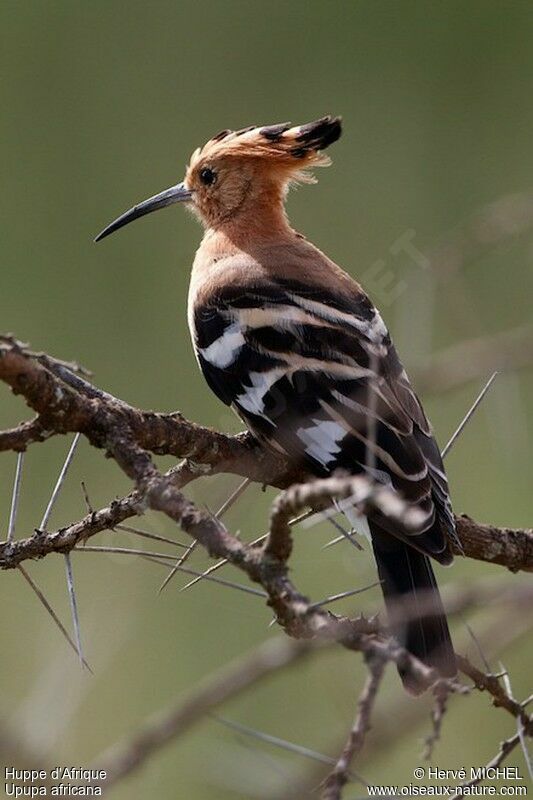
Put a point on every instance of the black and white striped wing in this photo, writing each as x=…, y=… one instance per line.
x=316, y=376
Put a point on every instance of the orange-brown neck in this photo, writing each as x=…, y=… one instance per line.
x=256, y=213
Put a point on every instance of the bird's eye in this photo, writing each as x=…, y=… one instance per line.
x=207, y=176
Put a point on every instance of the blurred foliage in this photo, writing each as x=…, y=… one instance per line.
x=103, y=103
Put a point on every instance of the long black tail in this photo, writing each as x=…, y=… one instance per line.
x=414, y=606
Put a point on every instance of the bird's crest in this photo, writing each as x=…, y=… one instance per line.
x=294, y=148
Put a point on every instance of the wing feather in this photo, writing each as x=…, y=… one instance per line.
x=315, y=374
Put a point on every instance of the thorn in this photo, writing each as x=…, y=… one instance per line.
x=478, y=647
x=52, y=613
x=327, y=515
x=301, y=517
x=466, y=419
x=316, y=517
x=334, y=597
x=148, y=535
x=349, y=535
x=283, y=744
x=258, y=540
x=161, y=558
x=519, y=723
x=124, y=550
x=331, y=542
x=216, y=566
x=73, y=606
x=224, y=582
x=90, y=509
x=226, y=505
x=232, y=499
x=59, y=483
x=181, y=560
x=66, y=556
x=15, y=497
x=506, y=680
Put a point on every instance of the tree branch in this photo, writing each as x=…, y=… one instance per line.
x=338, y=777
x=66, y=403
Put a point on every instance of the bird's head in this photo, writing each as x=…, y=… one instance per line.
x=243, y=171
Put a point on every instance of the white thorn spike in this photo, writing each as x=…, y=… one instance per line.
x=15, y=498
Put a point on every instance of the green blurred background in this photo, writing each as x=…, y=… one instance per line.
x=102, y=104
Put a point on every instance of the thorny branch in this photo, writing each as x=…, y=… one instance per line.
x=361, y=493
x=504, y=626
x=65, y=401
x=499, y=689
x=338, y=777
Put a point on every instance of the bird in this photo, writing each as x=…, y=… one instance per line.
x=295, y=346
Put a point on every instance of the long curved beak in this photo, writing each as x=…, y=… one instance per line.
x=176, y=194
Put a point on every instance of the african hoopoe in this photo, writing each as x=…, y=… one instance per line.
x=293, y=344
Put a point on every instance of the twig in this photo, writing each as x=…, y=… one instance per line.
x=506, y=747
x=400, y=716
x=362, y=493
x=491, y=684
x=19, y=438
x=64, y=539
x=440, y=694
x=337, y=779
x=232, y=499
x=519, y=722
x=70, y=404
